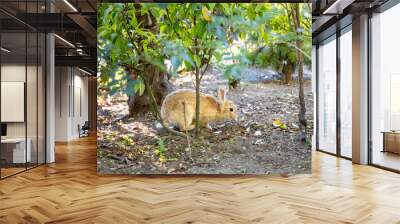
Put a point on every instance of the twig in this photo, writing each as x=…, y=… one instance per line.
x=208, y=63
x=187, y=134
x=127, y=28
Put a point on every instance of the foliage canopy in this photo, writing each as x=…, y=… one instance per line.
x=191, y=36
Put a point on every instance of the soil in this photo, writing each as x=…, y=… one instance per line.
x=252, y=145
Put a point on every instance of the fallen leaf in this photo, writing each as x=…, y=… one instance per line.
x=283, y=126
x=277, y=123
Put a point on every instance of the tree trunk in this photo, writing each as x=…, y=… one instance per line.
x=287, y=71
x=300, y=61
x=197, y=67
x=302, y=113
x=197, y=128
x=160, y=86
x=158, y=81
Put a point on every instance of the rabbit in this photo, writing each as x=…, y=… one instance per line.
x=179, y=109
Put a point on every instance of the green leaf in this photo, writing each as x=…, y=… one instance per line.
x=211, y=6
x=200, y=29
x=187, y=58
x=176, y=63
x=197, y=60
x=188, y=66
x=139, y=86
x=233, y=72
x=242, y=35
x=265, y=36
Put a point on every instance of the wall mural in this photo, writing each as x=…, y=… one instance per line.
x=217, y=88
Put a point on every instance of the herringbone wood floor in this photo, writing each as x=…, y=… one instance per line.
x=70, y=191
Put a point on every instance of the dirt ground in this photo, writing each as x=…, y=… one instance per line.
x=253, y=145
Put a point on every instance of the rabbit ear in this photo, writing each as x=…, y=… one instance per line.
x=221, y=94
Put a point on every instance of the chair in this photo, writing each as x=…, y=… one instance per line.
x=84, y=130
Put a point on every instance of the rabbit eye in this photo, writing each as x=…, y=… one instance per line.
x=231, y=109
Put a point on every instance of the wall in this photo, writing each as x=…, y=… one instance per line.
x=314, y=88
x=34, y=124
x=92, y=91
x=71, y=102
x=61, y=103
x=14, y=72
x=80, y=109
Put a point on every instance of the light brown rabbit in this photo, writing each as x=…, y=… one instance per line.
x=179, y=109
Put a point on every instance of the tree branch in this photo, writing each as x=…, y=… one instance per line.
x=207, y=64
x=126, y=22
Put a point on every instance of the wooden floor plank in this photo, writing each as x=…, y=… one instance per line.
x=70, y=191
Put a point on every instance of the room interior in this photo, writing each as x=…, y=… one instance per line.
x=22, y=101
x=337, y=44
x=385, y=89
x=28, y=103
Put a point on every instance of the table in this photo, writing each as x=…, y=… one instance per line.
x=391, y=141
x=13, y=150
